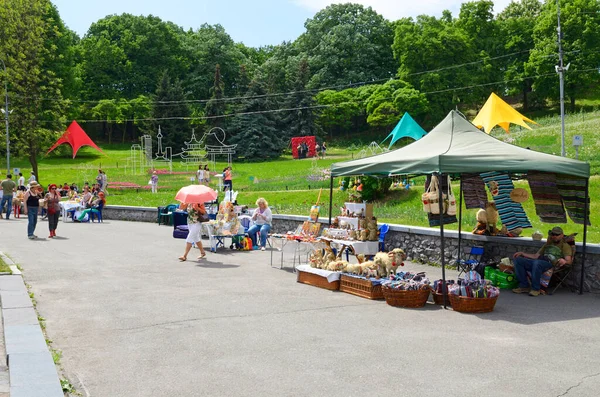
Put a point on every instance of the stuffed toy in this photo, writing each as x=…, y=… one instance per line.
x=337, y=266
x=369, y=269
x=486, y=220
x=388, y=262
x=316, y=259
x=372, y=228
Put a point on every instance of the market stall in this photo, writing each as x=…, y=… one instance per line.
x=456, y=147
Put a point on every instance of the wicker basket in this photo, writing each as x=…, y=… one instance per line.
x=317, y=281
x=438, y=299
x=360, y=287
x=464, y=304
x=403, y=298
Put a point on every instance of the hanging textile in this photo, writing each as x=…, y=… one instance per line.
x=572, y=192
x=547, y=200
x=474, y=192
x=511, y=213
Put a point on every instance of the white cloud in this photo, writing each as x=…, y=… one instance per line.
x=394, y=10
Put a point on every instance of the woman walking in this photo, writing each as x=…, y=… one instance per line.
x=52, y=200
x=195, y=214
x=32, y=205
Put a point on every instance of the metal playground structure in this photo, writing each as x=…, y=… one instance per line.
x=196, y=152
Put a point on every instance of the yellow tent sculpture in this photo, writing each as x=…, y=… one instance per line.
x=497, y=112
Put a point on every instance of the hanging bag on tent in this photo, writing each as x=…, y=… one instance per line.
x=450, y=200
x=433, y=195
x=425, y=200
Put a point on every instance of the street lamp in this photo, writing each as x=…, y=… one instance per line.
x=5, y=111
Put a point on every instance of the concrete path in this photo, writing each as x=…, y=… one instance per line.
x=131, y=320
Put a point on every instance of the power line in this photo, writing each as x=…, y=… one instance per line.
x=315, y=90
x=238, y=114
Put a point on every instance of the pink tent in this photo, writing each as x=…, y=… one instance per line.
x=76, y=137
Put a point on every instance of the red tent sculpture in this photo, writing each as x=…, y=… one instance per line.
x=76, y=137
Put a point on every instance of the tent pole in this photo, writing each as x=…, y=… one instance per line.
x=460, y=198
x=330, y=197
x=442, y=246
x=585, y=222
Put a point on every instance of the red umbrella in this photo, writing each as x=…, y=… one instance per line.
x=195, y=194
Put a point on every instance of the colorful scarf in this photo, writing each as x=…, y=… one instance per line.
x=511, y=213
x=474, y=192
x=572, y=192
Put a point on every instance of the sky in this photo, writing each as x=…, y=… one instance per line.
x=252, y=22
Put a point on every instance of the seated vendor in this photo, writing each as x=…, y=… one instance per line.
x=262, y=218
x=86, y=198
x=556, y=252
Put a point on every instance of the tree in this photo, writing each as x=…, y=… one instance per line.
x=125, y=55
x=516, y=24
x=301, y=121
x=347, y=43
x=255, y=130
x=428, y=51
x=476, y=19
x=215, y=108
x=29, y=33
x=580, y=24
x=171, y=113
x=207, y=47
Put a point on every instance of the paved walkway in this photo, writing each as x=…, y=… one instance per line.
x=131, y=320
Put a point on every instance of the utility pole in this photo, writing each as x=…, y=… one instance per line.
x=6, y=117
x=561, y=74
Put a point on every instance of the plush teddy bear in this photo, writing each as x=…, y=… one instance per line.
x=373, y=232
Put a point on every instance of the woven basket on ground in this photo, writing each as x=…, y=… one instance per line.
x=403, y=298
x=438, y=299
x=464, y=304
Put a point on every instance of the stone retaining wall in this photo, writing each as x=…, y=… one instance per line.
x=420, y=244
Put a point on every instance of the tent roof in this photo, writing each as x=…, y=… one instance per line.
x=408, y=127
x=456, y=146
x=76, y=137
x=497, y=112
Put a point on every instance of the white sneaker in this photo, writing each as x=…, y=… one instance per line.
x=262, y=248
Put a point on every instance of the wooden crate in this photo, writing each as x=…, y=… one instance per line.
x=317, y=281
x=360, y=287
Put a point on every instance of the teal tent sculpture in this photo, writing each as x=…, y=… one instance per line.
x=407, y=126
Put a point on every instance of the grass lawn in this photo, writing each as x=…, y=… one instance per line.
x=292, y=186
x=4, y=268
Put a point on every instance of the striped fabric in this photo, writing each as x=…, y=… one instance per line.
x=547, y=200
x=511, y=214
x=474, y=192
x=572, y=192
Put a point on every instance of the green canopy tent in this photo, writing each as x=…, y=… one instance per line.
x=406, y=127
x=455, y=146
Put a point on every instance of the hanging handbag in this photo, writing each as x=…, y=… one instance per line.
x=425, y=200
x=433, y=195
x=450, y=201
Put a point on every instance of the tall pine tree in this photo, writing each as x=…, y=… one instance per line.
x=255, y=129
x=302, y=120
x=215, y=107
x=171, y=113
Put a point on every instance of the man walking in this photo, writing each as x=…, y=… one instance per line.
x=8, y=188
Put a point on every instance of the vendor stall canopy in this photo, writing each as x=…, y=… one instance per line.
x=497, y=112
x=406, y=127
x=456, y=146
x=76, y=137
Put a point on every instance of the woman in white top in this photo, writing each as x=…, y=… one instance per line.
x=262, y=218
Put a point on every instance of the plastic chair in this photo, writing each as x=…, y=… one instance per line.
x=472, y=259
x=165, y=214
x=246, y=221
x=383, y=229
